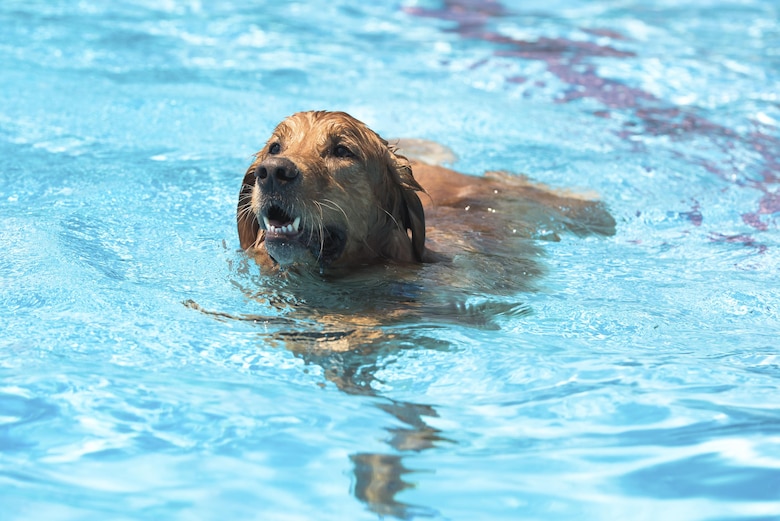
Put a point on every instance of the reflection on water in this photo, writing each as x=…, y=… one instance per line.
x=351, y=326
x=378, y=477
x=349, y=330
x=418, y=435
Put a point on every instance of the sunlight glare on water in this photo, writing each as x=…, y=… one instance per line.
x=149, y=371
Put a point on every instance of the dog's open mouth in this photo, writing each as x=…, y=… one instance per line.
x=280, y=224
x=287, y=242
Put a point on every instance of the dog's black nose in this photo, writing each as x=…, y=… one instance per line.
x=276, y=171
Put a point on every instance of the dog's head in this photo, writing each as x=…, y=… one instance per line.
x=326, y=190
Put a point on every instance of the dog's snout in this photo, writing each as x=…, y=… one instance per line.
x=276, y=171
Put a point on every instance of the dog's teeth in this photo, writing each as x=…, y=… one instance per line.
x=287, y=229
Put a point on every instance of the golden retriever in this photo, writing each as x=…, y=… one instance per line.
x=328, y=193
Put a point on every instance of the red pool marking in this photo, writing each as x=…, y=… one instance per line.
x=566, y=59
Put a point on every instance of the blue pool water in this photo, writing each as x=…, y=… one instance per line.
x=641, y=381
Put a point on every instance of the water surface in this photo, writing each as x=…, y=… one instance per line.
x=638, y=379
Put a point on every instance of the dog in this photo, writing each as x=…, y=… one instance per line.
x=326, y=193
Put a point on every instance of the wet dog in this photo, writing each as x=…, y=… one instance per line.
x=326, y=193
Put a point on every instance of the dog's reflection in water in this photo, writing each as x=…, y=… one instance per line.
x=351, y=349
x=350, y=360
x=352, y=331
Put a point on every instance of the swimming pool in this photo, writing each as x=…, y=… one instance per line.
x=641, y=380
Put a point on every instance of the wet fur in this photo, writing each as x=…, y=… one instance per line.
x=385, y=204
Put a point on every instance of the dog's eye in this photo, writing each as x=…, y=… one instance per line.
x=342, y=151
x=274, y=149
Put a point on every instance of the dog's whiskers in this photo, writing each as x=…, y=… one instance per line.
x=397, y=224
x=335, y=206
x=321, y=229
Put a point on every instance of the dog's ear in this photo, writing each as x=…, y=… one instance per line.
x=414, y=216
x=248, y=227
x=407, y=204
